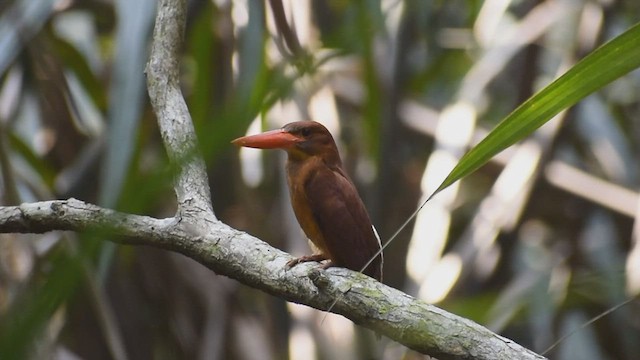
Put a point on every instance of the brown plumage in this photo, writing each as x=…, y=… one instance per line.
x=324, y=199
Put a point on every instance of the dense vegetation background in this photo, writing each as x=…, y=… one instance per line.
x=531, y=246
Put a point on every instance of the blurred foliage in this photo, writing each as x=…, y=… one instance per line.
x=532, y=256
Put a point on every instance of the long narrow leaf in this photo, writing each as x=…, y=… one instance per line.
x=607, y=63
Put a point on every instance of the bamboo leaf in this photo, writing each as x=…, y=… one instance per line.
x=604, y=65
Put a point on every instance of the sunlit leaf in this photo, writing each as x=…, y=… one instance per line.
x=606, y=64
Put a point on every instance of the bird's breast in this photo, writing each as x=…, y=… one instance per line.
x=297, y=176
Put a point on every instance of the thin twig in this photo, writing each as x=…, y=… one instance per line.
x=586, y=324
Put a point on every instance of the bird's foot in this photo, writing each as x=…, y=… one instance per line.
x=327, y=265
x=307, y=258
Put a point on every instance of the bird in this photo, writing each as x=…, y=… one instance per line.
x=325, y=201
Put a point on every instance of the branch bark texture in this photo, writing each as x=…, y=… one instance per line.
x=196, y=233
x=230, y=252
x=191, y=185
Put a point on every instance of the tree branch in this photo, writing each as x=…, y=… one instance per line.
x=390, y=312
x=191, y=184
x=196, y=233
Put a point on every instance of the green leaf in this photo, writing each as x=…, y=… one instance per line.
x=25, y=321
x=607, y=63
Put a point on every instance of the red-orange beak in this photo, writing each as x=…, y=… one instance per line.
x=274, y=139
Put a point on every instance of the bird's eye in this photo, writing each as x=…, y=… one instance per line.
x=305, y=132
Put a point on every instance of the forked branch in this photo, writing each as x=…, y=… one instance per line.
x=196, y=233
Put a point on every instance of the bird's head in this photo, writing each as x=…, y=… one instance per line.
x=301, y=140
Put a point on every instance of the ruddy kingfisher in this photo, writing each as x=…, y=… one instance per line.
x=324, y=199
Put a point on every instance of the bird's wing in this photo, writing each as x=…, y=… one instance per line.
x=343, y=221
